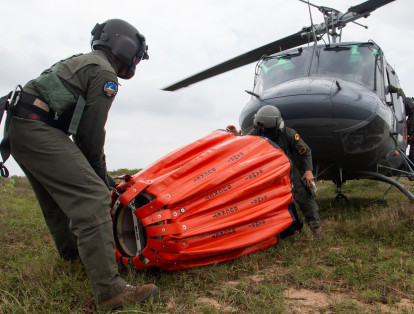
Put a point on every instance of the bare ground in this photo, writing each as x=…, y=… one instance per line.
x=309, y=301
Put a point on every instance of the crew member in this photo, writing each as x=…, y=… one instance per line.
x=268, y=122
x=409, y=111
x=69, y=177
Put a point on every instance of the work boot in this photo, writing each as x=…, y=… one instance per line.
x=130, y=295
x=316, y=231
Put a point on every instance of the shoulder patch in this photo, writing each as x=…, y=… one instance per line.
x=110, y=89
x=302, y=150
x=297, y=137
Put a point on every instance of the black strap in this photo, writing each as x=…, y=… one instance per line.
x=26, y=110
x=5, y=154
x=3, y=104
x=22, y=106
x=5, y=143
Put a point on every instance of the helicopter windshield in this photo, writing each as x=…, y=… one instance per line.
x=357, y=63
x=353, y=62
x=274, y=70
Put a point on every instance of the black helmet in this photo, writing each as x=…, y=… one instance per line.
x=123, y=40
x=268, y=117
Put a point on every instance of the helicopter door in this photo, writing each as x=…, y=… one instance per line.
x=397, y=104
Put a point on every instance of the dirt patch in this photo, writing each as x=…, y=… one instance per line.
x=308, y=301
x=220, y=308
x=252, y=279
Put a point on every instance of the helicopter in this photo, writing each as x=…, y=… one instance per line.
x=337, y=95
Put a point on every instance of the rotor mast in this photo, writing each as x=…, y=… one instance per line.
x=334, y=22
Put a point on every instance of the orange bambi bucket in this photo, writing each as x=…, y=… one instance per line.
x=213, y=200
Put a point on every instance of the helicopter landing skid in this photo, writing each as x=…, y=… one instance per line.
x=377, y=176
x=341, y=198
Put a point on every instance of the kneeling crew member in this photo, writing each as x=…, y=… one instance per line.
x=268, y=122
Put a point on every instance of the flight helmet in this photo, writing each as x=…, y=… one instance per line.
x=268, y=117
x=123, y=40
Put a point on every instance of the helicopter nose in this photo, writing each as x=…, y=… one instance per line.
x=352, y=106
x=317, y=106
x=323, y=106
x=302, y=102
x=331, y=115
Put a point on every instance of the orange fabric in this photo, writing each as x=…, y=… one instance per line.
x=216, y=199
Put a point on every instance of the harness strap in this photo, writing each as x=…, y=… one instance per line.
x=79, y=107
x=77, y=114
x=4, y=145
x=3, y=104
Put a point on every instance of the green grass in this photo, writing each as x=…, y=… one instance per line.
x=363, y=262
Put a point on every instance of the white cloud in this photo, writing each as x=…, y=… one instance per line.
x=184, y=37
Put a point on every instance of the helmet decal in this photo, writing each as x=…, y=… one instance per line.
x=110, y=89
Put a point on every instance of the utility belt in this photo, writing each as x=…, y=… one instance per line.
x=23, y=105
x=27, y=106
x=32, y=108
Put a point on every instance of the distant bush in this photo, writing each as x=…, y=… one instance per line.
x=8, y=184
x=122, y=171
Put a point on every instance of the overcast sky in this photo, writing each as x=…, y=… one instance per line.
x=184, y=37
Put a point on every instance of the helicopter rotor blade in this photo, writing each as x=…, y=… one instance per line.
x=368, y=6
x=302, y=37
x=288, y=42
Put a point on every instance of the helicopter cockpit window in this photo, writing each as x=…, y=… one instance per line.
x=274, y=70
x=357, y=63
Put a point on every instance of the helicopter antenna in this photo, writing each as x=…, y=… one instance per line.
x=331, y=18
x=312, y=25
x=326, y=27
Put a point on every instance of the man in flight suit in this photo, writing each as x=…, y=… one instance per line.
x=70, y=178
x=268, y=122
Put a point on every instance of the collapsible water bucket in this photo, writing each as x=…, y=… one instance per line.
x=216, y=199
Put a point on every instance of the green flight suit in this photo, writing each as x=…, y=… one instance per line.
x=300, y=154
x=409, y=109
x=69, y=177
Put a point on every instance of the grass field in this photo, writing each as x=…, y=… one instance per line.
x=363, y=262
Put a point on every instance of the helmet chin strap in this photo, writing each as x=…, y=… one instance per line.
x=271, y=132
x=266, y=132
x=260, y=128
x=129, y=71
x=124, y=71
